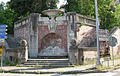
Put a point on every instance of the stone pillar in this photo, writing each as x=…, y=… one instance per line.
x=73, y=52
x=70, y=17
x=80, y=58
x=76, y=55
x=33, y=45
x=72, y=55
x=71, y=37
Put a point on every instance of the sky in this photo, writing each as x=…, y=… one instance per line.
x=61, y=3
x=58, y=5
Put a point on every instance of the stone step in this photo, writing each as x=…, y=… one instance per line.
x=47, y=63
x=52, y=57
x=47, y=59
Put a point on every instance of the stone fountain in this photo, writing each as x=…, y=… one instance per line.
x=52, y=13
x=53, y=49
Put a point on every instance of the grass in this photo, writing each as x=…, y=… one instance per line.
x=21, y=70
x=18, y=65
x=11, y=63
x=118, y=65
x=116, y=57
x=108, y=68
x=38, y=72
x=1, y=70
x=36, y=64
x=104, y=68
x=93, y=61
x=88, y=61
x=100, y=68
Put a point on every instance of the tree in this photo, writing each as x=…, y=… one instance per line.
x=25, y=7
x=117, y=14
x=18, y=9
x=87, y=7
x=51, y=4
x=84, y=7
x=7, y=17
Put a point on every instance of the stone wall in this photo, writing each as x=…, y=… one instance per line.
x=23, y=33
x=27, y=29
x=88, y=52
x=80, y=55
x=45, y=37
x=22, y=29
x=48, y=41
x=116, y=43
x=86, y=36
x=11, y=56
x=34, y=29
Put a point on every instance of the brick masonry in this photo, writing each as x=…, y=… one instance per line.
x=44, y=37
x=36, y=32
x=38, y=35
x=22, y=33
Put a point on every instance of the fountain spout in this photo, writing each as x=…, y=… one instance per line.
x=52, y=13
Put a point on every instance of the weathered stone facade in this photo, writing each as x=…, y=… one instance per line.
x=83, y=30
x=86, y=36
x=15, y=51
x=115, y=41
x=70, y=27
x=59, y=38
x=34, y=29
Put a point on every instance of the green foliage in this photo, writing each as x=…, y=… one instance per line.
x=24, y=7
x=51, y=4
x=117, y=14
x=1, y=70
x=18, y=9
x=84, y=7
x=10, y=63
x=106, y=15
x=7, y=16
x=87, y=7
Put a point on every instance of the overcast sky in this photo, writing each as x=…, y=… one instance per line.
x=61, y=2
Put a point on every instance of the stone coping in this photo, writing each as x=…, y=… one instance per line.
x=88, y=48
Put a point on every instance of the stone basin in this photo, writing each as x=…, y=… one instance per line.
x=52, y=12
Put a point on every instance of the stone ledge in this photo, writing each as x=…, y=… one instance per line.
x=88, y=48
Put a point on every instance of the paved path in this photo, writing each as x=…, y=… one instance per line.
x=69, y=71
x=51, y=70
x=114, y=73
x=11, y=74
x=38, y=70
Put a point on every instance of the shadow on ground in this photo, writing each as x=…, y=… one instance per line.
x=38, y=71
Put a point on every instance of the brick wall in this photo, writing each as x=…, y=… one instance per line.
x=44, y=36
x=22, y=33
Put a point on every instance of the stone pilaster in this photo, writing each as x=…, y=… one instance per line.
x=33, y=46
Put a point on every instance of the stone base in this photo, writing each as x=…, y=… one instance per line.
x=50, y=51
